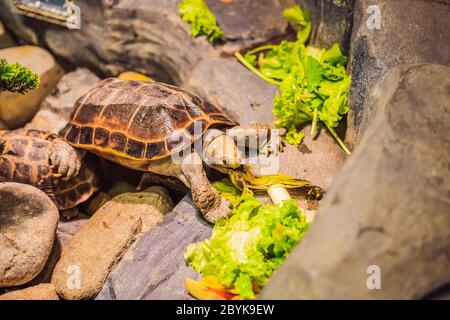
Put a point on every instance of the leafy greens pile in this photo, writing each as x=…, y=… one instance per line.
x=313, y=82
x=245, y=249
x=203, y=22
x=16, y=78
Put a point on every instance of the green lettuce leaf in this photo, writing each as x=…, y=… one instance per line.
x=245, y=249
x=313, y=81
x=201, y=19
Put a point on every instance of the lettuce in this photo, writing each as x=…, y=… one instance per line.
x=201, y=19
x=313, y=82
x=245, y=249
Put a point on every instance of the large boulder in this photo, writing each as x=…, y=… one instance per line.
x=16, y=109
x=28, y=220
x=56, y=108
x=154, y=267
x=386, y=213
x=96, y=248
x=410, y=32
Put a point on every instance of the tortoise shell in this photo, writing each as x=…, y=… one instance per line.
x=24, y=158
x=139, y=120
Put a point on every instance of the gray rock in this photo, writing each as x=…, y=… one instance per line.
x=55, y=110
x=388, y=206
x=28, y=220
x=248, y=20
x=154, y=267
x=332, y=22
x=411, y=32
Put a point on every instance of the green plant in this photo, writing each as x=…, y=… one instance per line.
x=201, y=19
x=313, y=82
x=16, y=78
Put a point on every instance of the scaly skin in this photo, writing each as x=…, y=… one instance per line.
x=207, y=199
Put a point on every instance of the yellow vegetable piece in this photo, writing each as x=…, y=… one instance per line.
x=130, y=75
x=209, y=288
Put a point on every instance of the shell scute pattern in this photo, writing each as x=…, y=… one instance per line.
x=139, y=120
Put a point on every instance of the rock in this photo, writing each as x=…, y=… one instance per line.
x=249, y=21
x=99, y=244
x=244, y=90
x=17, y=109
x=143, y=274
x=64, y=232
x=332, y=22
x=387, y=207
x=28, y=220
x=55, y=110
x=67, y=229
x=5, y=39
x=45, y=291
x=407, y=35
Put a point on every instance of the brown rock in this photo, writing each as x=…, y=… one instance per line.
x=389, y=205
x=55, y=110
x=28, y=220
x=17, y=109
x=98, y=246
x=45, y=291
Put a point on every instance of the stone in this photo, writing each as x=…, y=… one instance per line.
x=407, y=36
x=5, y=38
x=332, y=22
x=55, y=110
x=45, y=291
x=28, y=220
x=67, y=229
x=247, y=20
x=17, y=109
x=100, y=243
x=64, y=232
x=387, y=207
x=143, y=274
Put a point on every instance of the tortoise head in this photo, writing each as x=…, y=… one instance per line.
x=220, y=151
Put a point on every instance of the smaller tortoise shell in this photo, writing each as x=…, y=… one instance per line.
x=24, y=158
x=139, y=120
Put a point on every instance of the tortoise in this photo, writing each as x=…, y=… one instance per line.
x=45, y=161
x=156, y=127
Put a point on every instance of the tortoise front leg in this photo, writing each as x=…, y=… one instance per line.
x=207, y=199
x=65, y=158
